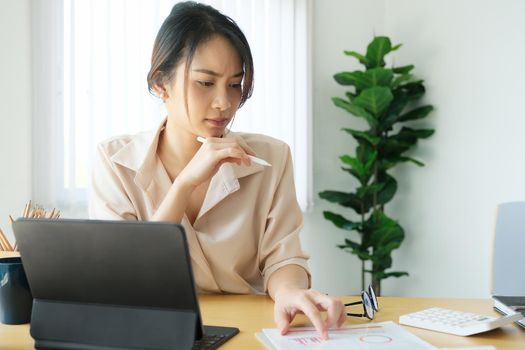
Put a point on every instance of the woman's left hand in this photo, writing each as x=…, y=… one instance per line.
x=291, y=301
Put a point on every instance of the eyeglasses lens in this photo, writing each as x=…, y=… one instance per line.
x=367, y=304
x=373, y=298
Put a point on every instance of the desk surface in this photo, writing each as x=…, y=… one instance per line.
x=250, y=313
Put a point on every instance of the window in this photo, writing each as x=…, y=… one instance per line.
x=90, y=63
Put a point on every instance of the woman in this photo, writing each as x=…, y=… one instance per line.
x=241, y=218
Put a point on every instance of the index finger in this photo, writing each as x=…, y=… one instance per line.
x=245, y=146
x=309, y=309
x=334, y=308
x=236, y=139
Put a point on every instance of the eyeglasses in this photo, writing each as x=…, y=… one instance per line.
x=369, y=301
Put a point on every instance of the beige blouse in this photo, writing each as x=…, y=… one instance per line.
x=249, y=223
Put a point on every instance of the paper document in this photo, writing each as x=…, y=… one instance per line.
x=370, y=336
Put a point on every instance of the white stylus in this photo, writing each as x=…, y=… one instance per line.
x=253, y=159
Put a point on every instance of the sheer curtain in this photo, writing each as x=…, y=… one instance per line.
x=90, y=60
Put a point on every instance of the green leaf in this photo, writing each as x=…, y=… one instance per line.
x=362, y=255
x=379, y=76
x=396, y=274
x=355, y=174
x=381, y=263
x=403, y=69
x=352, y=244
x=398, y=103
x=414, y=90
x=369, y=190
x=395, y=145
x=377, y=50
x=350, y=200
x=412, y=160
x=355, y=110
x=345, y=78
x=362, y=171
x=417, y=113
x=350, y=95
x=388, y=121
x=386, y=250
x=362, y=59
x=388, y=191
x=356, y=165
x=363, y=136
x=374, y=77
x=384, y=230
x=411, y=135
x=374, y=99
x=401, y=79
x=365, y=152
x=390, y=163
x=335, y=196
x=392, y=148
x=356, y=249
x=369, y=162
x=382, y=275
x=394, y=48
x=353, y=162
x=366, y=155
x=340, y=221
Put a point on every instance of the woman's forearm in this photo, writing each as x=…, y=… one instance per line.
x=175, y=203
x=287, y=277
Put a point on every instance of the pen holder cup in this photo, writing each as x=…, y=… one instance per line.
x=16, y=300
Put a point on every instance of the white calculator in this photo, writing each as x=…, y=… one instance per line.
x=455, y=322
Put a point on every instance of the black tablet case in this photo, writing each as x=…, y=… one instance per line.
x=109, y=284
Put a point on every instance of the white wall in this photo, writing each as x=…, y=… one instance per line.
x=471, y=55
x=15, y=109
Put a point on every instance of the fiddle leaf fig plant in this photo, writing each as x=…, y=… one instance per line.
x=384, y=98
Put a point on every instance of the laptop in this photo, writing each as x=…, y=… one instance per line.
x=104, y=285
x=508, y=284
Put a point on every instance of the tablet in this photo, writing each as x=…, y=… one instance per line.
x=112, y=285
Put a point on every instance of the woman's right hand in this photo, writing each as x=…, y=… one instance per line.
x=211, y=155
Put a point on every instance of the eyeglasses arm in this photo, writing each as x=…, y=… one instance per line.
x=354, y=303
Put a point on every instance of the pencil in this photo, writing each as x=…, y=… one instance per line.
x=30, y=208
x=2, y=237
x=2, y=247
x=11, y=219
x=5, y=242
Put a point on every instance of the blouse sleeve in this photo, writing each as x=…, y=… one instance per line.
x=280, y=244
x=108, y=198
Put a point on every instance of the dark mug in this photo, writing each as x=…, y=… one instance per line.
x=16, y=300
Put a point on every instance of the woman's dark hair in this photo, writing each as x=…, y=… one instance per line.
x=189, y=24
